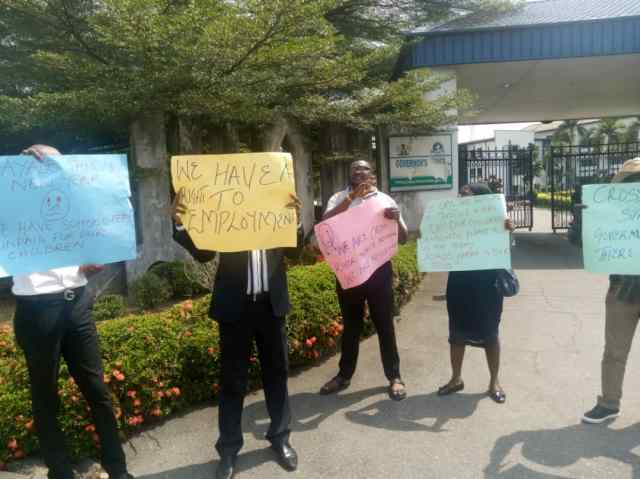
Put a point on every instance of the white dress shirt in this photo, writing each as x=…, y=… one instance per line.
x=47, y=282
x=257, y=272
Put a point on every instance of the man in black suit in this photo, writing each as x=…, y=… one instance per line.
x=250, y=301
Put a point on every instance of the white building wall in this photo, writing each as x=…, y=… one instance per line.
x=522, y=139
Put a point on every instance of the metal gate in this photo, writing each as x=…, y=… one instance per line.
x=508, y=171
x=574, y=166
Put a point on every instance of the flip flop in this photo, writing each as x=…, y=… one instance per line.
x=397, y=395
x=448, y=389
x=335, y=385
x=498, y=396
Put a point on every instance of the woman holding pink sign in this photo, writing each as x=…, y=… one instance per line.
x=377, y=291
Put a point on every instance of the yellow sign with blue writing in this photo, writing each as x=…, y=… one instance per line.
x=237, y=202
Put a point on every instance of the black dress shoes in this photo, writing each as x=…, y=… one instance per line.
x=287, y=456
x=225, y=467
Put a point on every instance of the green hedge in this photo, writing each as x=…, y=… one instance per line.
x=543, y=199
x=109, y=306
x=159, y=363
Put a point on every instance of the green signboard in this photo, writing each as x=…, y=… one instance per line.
x=421, y=162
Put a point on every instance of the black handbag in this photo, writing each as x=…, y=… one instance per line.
x=507, y=283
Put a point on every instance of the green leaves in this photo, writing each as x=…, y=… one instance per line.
x=246, y=61
x=401, y=103
x=202, y=56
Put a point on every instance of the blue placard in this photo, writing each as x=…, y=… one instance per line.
x=464, y=234
x=64, y=211
x=611, y=228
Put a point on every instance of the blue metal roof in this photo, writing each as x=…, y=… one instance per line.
x=544, y=12
x=569, y=33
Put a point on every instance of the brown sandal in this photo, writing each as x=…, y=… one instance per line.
x=450, y=388
x=335, y=385
x=397, y=394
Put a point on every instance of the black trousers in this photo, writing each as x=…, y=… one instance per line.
x=236, y=342
x=377, y=291
x=48, y=327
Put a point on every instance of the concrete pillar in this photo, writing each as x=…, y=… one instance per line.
x=151, y=194
x=382, y=162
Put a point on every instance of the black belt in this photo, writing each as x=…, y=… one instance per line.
x=70, y=294
x=259, y=297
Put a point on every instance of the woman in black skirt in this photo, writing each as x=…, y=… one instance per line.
x=474, y=306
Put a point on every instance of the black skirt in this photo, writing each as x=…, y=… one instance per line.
x=474, y=306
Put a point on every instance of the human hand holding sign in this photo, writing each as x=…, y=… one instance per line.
x=362, y=190
x=177, y=208
x=295, y=204
x=392, y=213
x=40, y=151
x=508, y=225
x=91, y=269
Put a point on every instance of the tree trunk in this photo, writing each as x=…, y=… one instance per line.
x=302, y=164
x=222, y=139
x=340, y=147
x=273, y=135
x=190, y=136
x=151, y=194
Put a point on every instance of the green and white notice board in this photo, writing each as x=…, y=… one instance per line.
x=421, y=162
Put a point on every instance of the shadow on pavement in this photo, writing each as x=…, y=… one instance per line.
x=246, y=461
x=408, y=415
x=545, y=251
x=559, y=448
x=309, y=410
x=192, y=471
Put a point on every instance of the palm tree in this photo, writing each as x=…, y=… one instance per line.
x=569, y=131
x=611, y=130
x=632, y=132
x=590, y=137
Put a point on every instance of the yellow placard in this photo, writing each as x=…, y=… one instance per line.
x=237, y=202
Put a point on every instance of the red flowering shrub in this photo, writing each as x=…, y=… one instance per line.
x=159, y=363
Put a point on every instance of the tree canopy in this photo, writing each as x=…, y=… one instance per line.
x=101, y=61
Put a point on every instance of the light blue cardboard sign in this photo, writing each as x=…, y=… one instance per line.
x=64, y=211
x=611, y=228
x=464, y=234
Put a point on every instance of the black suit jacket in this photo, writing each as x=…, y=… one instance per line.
x=230, y=288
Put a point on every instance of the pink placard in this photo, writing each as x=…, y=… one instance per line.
x=357, y=242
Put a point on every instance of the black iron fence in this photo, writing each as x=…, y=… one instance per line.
x=574, y=166
x=508, y=171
